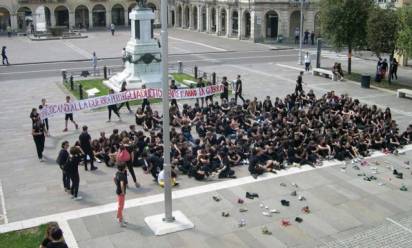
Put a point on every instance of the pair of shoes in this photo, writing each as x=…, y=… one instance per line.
x=93, y=168
x=240, y=201
x=403, y=188
x=78, y=198
x=216, y=198
x=301, y=198
x=242, y=223
x=266, y=231
x=355, y=167
x=242, y=210
x=225, y=214
x=285, y=222
x=285, y=203
x=293, y=193
x=274, y=211
x=306, y=209
x=123, y=223
x=267, y=214
x=251, y=195
x=65, y=130
x=283, y=184
x=41, y=160
x=298, y=219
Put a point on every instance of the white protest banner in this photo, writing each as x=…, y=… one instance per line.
x=130, y=95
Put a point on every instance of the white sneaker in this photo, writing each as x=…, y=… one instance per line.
x=274, y=211
x=78, y=198
x=98, y=160
x=41, y=160
x=267, y=214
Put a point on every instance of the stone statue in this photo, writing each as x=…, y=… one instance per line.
x=141, y=3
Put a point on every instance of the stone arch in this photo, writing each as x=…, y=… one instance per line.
x=294, y=24
x=61, y=14
x=235, y=22
x=5, y=20
x=24, y=17
x=81, y=16
x=99, y=15
x=213, y=23
x=186, y=15
x=118, y=15
x=194, y=17
x=247, y=24
x=271, y=24
x=223, y=21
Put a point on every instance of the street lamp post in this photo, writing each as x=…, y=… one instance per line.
x=301, y=33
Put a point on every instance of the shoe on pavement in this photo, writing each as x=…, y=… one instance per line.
x=403, y=188
x=285, y=222
x=122, y=224
x=242, y=210
x=225, y=214
x=242, y=223
x=93, y=168
x=216, y=198
x=240, y=201
x=283, y=184
x=274, y=211
x=301, y=198
x=137, y=184
x=266, y=231
x=298, y=219
x=65, y=130
x=285, y=203
x=306, y=209
x=78, y=198
x=293, y=193
x=268, y=214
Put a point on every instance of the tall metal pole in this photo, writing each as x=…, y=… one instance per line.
x=301, y=33
x=166, y=128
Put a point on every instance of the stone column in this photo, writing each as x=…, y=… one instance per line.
x=190, y=18
x=218, y=20
x=284, y=23
x=228, y=22
x=13, y=22
x=126, y=18
x=239, y=24
x=71, y=20
x=208, y=18
x=91, y=24
x=52, y=19
x=256, y=25
x=108, y=18
x=199, y=18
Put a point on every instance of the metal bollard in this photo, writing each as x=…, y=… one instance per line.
x=180, y=67
x=214, y=78
x=81, y=91
x=64, y=75
x=105, y=72
x=195, y=71
x=71, y=82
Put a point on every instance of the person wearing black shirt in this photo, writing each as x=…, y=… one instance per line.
x=312, y=37
x=73, y=171
x=123, y=89
x=225, y=93
x=394, y=69
x=63, y=159
x=57, y=240
x=200, y=84
x=238, y=89
x=4, y=56
x=155, y=164
x=120, y=181
x=113, y=107
x=85, y=144
x=173, y=86
x=38, y=132
x=47, y=237
x=299, y=82
x=33, y=115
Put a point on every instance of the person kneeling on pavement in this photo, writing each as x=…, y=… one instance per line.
x=259, y=165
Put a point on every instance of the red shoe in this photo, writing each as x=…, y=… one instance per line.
x=285, y=222
x=65, y=130
x=306, y=209
x=240, y=201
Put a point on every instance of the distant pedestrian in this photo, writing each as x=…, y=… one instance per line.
x=45, y=120
x=384, y=68
x=69, y=116
x=378, y=76
x=299, y=84
x=73, y=171
x=312, y=38
x=4, y=56
x=32, y=28
x=238, y=89
x=120, y=180
x=39, y=136
x=225, y=93
x=63, y=161
x=86, y=146
x=394, y=69
x=123, y=89
x=306, y=37
x=297, y=35
x=113, y=107
x=307, y=61
x=9, y=31
x=112, y=28
x=94, y=63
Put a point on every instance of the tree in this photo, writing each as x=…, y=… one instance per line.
x=404, y=37
x=343, y=24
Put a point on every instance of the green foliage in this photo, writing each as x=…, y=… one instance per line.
x=343, y=22
x=404, y=37
x=382, y=29
x=28, y=238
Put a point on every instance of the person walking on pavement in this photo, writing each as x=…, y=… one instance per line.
x=73, y=171
x=145, y=103
x=4, y=57
x=120, y=180
x=112, y=28
x=9, y=31
x=38, y=133
x=63, y=160
x=225, y=93
x=394, y=69
x=307, y=61
x=85, y=144
x=299, y=82
x=123, y=89
x=45, y=120
x=297, y=35
x=94, y=63
x=312, y=38
x=113, y=107
x=238, y=89
x=69, y=116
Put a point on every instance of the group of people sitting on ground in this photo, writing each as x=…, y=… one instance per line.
x=266, y=135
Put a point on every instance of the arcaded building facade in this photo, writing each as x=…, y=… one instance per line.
x=239, y=19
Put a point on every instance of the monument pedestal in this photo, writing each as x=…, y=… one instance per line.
x=160, y=227
x=143, y=55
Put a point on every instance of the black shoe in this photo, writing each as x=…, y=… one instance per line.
x=249, y=195
x=285, y=203
x=399, y=175
x=255, y=195
x=298, y=219
x=395, y=172
x=85, y=168
x=93, y=168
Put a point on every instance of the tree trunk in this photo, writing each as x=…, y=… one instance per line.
x=390, y=68
x=349, y=59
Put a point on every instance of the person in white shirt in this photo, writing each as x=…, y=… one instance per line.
x=112, y=28
x=307, y=61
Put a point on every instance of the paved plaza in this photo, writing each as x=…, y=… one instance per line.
x=346, y=210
